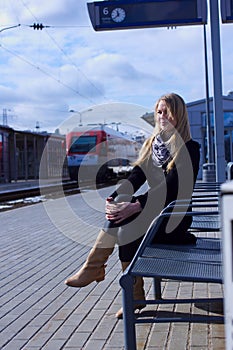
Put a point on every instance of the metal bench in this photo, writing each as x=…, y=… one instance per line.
x=194, y=263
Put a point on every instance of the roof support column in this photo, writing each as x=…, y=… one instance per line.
x=217, y=92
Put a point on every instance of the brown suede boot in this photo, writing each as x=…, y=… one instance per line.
x=138, y=292
x=94, y=267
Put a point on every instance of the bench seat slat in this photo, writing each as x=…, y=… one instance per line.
x=178, y=270
x=209, y=256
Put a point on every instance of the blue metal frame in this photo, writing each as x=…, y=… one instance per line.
x=157, y=266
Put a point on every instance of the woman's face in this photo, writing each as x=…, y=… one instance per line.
x=166, y=121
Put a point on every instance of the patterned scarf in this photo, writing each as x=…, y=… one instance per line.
x=160, y=153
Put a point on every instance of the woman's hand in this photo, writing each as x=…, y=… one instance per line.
x=118, y=212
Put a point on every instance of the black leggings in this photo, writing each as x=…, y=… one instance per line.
x=126, y=252
x=130, y=232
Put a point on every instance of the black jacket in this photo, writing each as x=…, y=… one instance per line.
x=165, y=187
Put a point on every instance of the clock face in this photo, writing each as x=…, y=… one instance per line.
x=118, y=14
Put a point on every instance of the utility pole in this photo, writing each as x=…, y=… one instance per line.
x=217, y=96
x=4, y=117
x=208, y=120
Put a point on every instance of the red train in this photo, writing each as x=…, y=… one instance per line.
x=94, y=151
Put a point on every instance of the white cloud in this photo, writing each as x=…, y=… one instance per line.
x=45, y=73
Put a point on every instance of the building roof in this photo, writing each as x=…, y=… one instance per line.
x=149, y=117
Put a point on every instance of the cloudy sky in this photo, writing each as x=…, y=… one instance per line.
x=68, y=66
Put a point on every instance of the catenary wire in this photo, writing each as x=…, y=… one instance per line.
x=63, y=52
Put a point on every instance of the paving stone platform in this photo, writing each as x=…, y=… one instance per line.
x=43, y=244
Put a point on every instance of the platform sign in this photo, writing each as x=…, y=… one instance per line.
x=227, y=234
x=129, y=14
x=227, y=11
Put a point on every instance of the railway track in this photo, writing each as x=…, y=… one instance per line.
x=15, y=198
x=32, y=191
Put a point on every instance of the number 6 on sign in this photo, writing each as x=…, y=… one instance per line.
x=105, y=11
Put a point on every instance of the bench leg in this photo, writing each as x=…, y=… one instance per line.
x=157, y=288
x=126, y=282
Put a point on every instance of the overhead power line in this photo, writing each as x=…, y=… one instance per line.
x=41, y=26
x=46, y=73
x=6, y=28
x=38, y=26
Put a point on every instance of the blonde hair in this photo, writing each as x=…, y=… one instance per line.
x=177, y=109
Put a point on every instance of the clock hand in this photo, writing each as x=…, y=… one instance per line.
x=117, y=14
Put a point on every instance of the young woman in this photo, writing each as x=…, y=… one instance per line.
x=169, y=162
